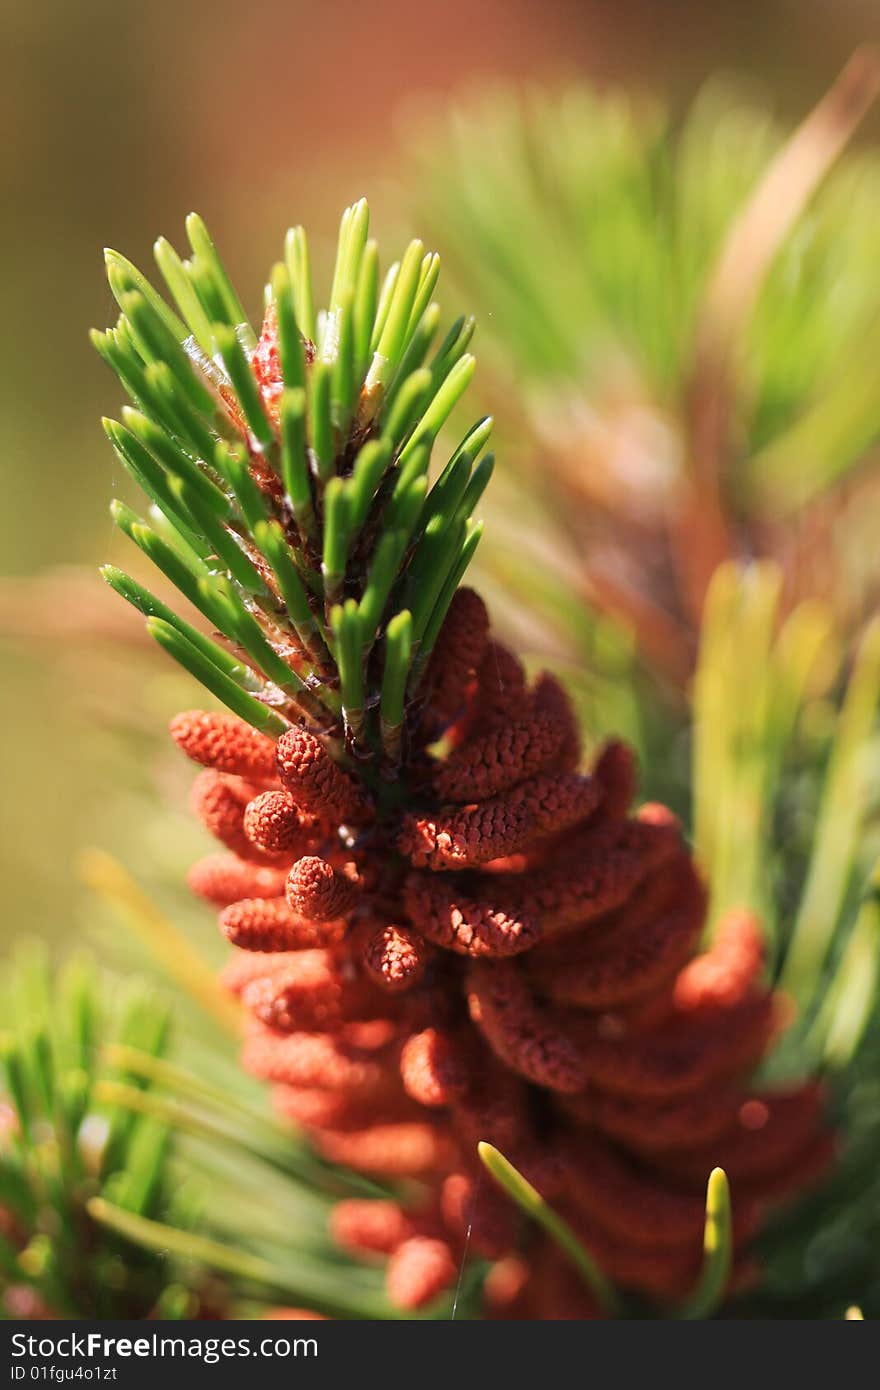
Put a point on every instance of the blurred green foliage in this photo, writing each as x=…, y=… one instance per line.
x=134, y=1185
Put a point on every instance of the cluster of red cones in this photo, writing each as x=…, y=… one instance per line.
x=494, y=948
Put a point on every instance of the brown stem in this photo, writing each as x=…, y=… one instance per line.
x=658, y=635
x=700, y=532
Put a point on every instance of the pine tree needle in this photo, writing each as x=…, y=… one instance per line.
x=838, y=829
x=717, y=1251
x=106, y=877
x=205, y=250
x=530, y=1201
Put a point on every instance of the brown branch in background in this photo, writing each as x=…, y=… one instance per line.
x=67, y=603
x=658, y=635
x=700, y=532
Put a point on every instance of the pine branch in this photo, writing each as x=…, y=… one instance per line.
x=289, y=480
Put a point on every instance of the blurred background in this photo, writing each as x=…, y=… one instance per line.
x=120, y=119
x=682, y=522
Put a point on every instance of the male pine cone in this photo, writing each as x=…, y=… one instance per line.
x=508, y=955
x=445, y=931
